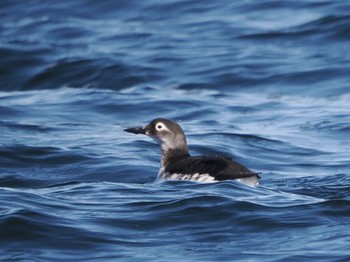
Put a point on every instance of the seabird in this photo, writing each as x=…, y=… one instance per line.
x=177, y=164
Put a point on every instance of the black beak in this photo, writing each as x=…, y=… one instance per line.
x=136, y=130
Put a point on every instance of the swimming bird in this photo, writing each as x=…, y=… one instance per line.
x=177, y=164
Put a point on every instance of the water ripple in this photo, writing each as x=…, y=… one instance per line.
x=263, y=83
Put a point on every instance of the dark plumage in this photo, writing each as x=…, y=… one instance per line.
x=177, y=163
x=221, y=168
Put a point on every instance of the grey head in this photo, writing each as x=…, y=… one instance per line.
x=167, y=133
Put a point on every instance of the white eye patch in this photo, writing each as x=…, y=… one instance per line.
x=160, y=126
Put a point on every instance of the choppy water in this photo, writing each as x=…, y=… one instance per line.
x=265, y=82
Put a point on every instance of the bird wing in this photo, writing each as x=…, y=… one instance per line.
x=221, y=168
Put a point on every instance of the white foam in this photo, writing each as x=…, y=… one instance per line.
x=249, y=181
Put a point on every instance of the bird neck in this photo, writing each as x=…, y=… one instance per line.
x=173, y=155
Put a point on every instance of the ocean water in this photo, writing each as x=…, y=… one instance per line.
x=264, y=82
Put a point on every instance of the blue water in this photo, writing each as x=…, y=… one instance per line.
x=264, y=82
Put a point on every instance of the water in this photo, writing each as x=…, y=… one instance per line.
x=265, y=82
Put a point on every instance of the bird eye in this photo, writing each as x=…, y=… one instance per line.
x=159, y=126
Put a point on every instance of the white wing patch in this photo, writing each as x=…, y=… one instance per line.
x=206, y=178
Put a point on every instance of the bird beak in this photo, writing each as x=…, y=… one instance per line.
x=136, y=130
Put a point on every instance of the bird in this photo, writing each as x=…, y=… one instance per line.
x=177, y=164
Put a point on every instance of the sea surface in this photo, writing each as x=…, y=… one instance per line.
x=266, y=83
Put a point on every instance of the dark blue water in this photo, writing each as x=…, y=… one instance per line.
x=265, y=82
